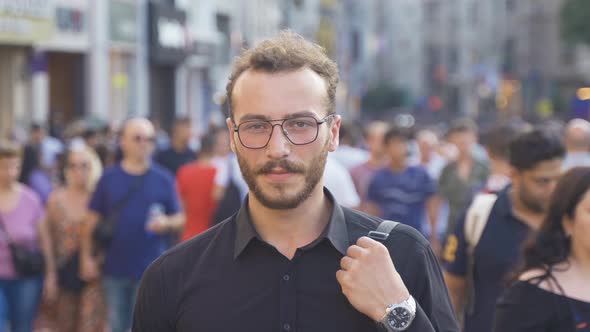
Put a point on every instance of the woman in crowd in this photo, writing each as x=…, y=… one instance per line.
x=21, y=216
x=197, y=188
x=551, y=292
x=75, y=310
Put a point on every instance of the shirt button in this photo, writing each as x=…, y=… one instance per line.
x=286, y=327
x=286, y=278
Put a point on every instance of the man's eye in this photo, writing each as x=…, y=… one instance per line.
x=255, y=126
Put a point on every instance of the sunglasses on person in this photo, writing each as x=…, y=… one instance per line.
x=143, y=139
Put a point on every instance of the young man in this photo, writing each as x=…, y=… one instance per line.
x=141, y=199
x=403, y=192
x=464, y=177
x=291, y=259
x=496, y=142
x=476, y=280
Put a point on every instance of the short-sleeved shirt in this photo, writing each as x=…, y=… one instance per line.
x=229, y=279
x=196, y=183
x=402, y=196
x=458, y=192
x=361, y=177
x=133, y=247
x=21, y=224
x=496, y=255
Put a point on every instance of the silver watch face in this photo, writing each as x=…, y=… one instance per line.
x=399, y=318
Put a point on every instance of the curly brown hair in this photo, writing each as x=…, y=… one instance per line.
x=288, y=51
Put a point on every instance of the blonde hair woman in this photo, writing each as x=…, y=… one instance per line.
x=75, y=310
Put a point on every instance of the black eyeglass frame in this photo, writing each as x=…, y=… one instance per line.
x=318, y=122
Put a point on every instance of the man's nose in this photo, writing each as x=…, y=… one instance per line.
x=279, y=145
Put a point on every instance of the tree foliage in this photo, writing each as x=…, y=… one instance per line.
x=575, y=20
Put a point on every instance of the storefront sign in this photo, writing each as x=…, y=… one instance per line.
x=26, y=21
x=168, y=38
x=70, y=20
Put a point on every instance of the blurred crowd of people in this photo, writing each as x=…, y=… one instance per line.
x=476, y=195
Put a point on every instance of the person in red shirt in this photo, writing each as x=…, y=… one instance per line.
x=198, y=192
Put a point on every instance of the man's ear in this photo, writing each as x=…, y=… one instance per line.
x=230, y=127
x=335, y=132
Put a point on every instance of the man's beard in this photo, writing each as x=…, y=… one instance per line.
x=312, y=175
x=530, y=201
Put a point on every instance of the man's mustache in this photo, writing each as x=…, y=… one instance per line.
x=284, y=164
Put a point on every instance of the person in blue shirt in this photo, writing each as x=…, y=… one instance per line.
x=476, y=281
x=143, y=199
x=401, y=192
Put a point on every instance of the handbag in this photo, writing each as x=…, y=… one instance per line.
x=105, y=227
x=26, y=262
x=69, y=274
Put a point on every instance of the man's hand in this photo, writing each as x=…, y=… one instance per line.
x=369, y=279
x=159, y=225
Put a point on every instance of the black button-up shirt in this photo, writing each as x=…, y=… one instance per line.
x=229, y=279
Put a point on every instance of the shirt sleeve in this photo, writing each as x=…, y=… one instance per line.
x=372, y=190
x=454, y=254
x=443, y=186
x=152, y=311
x=422, y=276
x=172, y=202
x=98, y=202
x=40, y=212
x=429, y=184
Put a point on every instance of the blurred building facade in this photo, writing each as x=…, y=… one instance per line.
x=549, y=69
x=66, y=59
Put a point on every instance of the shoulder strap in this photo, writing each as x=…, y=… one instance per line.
x=477, y=217
x=4, y=231
x=383, y=230
x=132, y=191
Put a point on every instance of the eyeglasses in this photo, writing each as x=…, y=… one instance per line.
x=144, y=139
x=301, y=130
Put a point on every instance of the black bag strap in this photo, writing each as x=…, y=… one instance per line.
x=121, y=204
x=383, y=230
x=5, y=231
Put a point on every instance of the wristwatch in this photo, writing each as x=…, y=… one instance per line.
x=398, y=317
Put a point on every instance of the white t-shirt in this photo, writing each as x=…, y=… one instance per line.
x=338, y=180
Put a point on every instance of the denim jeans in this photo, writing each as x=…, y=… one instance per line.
x=19, y=301
x=120, y=295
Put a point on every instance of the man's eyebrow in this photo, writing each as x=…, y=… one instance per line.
x=249, y=117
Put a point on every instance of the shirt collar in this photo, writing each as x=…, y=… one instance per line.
x=336, y=231
x=504, y=203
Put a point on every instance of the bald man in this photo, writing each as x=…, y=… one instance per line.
x=139, y=200
x=577, y=143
